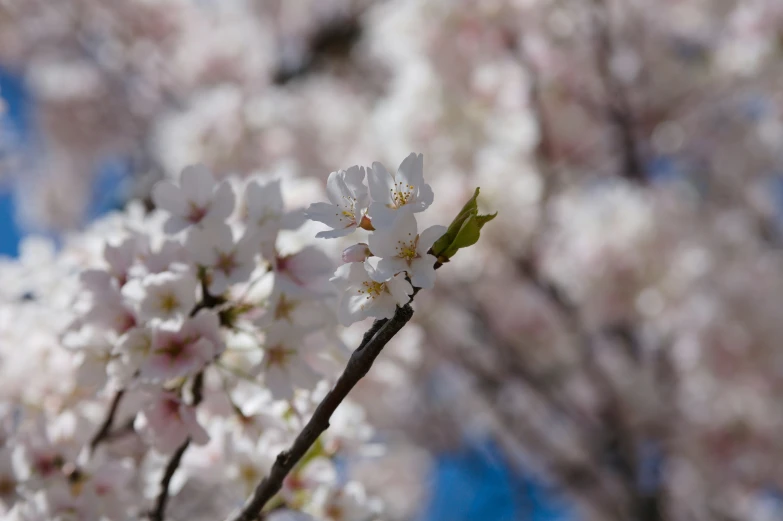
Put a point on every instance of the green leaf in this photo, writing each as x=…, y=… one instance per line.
x=463, y=231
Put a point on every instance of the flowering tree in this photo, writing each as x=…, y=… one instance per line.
x=207, y=350
x=615, y=330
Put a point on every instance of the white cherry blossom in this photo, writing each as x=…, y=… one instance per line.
x=349, y=200
x=402, y=249
x=264, y=210
x=167, y=421
x=198, y=200
x=228, y=262
x=284, y=366
x=169, y=295
x=366, y=293
x=400, y=193
x=178, y=351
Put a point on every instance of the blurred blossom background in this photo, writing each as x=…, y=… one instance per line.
x=611, y=348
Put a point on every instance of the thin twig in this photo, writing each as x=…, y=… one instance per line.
x=381, y=332
x=103, y=432
x=159, y=513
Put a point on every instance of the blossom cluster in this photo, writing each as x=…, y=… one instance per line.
x=210, y=325
x=379, y=275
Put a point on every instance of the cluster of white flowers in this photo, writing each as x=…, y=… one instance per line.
x=380, y=274
x=210, y=326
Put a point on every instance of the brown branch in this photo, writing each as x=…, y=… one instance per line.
x=358, y=365
x=103, y=432
x=159, y=513
x=620, y=111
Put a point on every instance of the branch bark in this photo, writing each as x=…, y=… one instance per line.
x=375, y=339
x=159, y=512
x=105, y=429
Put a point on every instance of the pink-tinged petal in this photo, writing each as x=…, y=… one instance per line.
x=423, y=272
x=411, y=171
x=197, y=184
x=168, y=197
x=382, y=216
x=400, y=289
x=428, y=237
x=223, y=201
x=381, y=184
x=356, y=253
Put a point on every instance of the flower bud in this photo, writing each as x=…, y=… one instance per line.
x=356, y=253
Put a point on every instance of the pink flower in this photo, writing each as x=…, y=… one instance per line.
x=403, y=249
x=168, y=422
x=197, y=201
x=396, y=194
x=228, y=262
x=349, y=200
x=182, y=351
x=365, y=293
x=308, y=269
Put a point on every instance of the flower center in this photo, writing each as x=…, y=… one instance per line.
x=277, y=355
x=168, y=303
x=406, y=249
x=226, y=263
x=174, y=349
x=284, y=308
x=372, y=289
x=401, y=194
x=196, y=213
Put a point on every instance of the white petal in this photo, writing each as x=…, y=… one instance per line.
x=336, y=189
x=218, y=283
x=279, y=383
x=334, y=234
x=292, y=220
x=411, y=170
x=381, y=183
x=383, y=306
x=428, y=237
x=381, y=215
x=354, y=180
x=390, y=266
x=223, y=202
x=382, y=242
x=423, y=272
x=168, y=197
x=197, y=184
x=175, y=224
x=400, y=289
x=329, y=214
